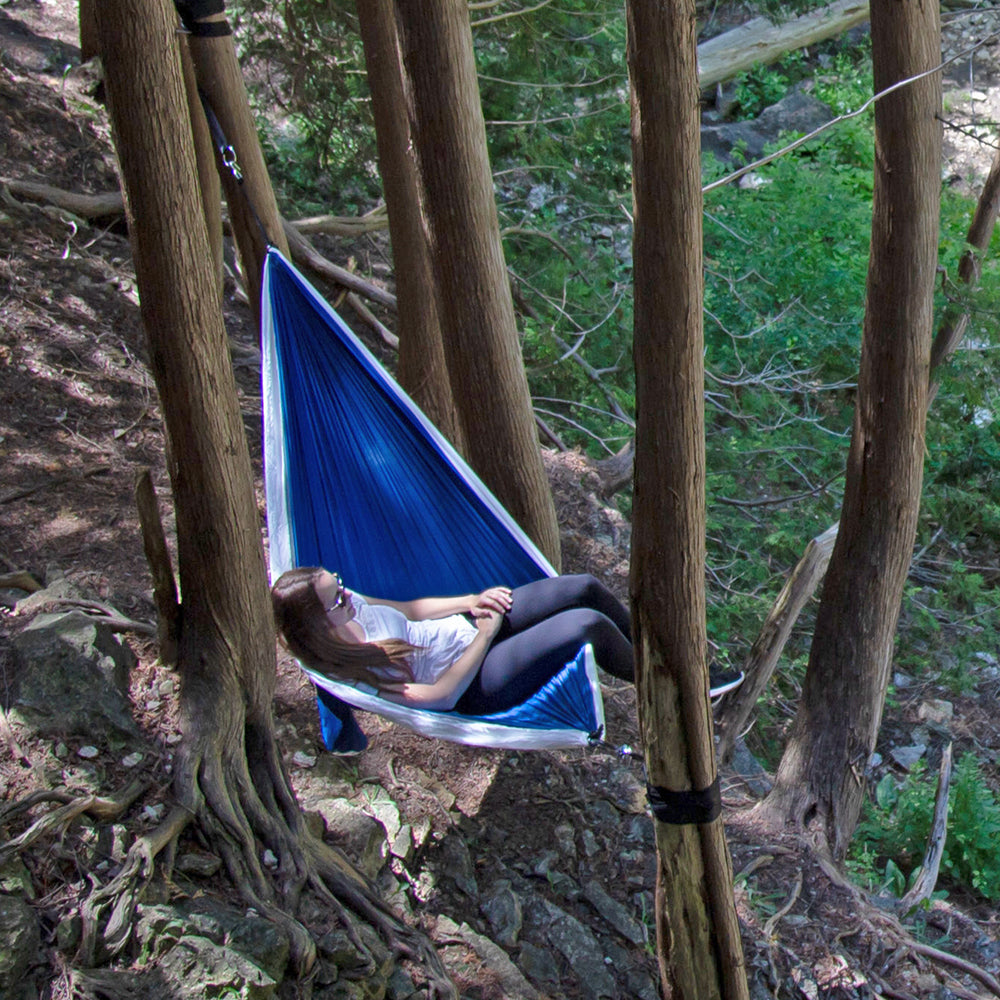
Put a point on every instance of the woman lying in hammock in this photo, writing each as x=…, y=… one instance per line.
x=479, y=653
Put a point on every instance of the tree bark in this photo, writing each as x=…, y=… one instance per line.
x=422, y=370
x=698, y=941
x=821, y=777
x=474, y=299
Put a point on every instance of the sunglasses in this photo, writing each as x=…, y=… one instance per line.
x=340, y=598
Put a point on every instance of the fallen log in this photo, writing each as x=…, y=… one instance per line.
x=760, y=41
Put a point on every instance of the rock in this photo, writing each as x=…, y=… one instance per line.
x=515, y=986
x=538, y=964
x=614, y=914
x=502, y=909
x=72, y=678
x=15, y=879
x=198, y=864
x=259, y=942
x=387, y=813
x=355, y=832
x=906, y=757
x=19, y=942
x=749, y=769
x=937, y=713
x=197, y=967
x=453, y=861
x=581, y=950
x=797, y=112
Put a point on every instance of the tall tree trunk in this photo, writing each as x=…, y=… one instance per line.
x=698, y=941
x=422, y=370
x=822, y=774
x=229, y=776
x=477, y=313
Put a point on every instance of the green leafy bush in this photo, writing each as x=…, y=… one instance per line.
x=895, y=827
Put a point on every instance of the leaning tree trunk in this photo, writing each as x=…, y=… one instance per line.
x=698, y=940
x=422, y=369
x=229, y=776
x=822, y=774
x=474, y=299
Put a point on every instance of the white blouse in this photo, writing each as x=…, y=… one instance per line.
x=440, y=641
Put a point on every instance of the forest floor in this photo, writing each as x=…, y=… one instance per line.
x=80, y=417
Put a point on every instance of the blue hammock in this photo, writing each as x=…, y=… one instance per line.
x=360, y=482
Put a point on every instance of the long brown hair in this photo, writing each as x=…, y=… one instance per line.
x=303, y=626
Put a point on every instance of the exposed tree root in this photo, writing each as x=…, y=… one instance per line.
x=244, y=812
x=102, y=809
x=885, y=926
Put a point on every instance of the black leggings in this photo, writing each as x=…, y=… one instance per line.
x=548, y=623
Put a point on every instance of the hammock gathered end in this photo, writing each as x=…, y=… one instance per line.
x=359, y=481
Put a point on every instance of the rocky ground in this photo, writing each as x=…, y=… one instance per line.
x=533, y=872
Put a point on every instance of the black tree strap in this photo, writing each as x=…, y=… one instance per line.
x=192, y=12
x=683, y=808
x=228, y=156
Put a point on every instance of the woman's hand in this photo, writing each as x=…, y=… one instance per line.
x=495, y=600
x=489, y=624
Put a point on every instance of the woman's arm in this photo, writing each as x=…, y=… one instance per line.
x=495, y=599
x=444, y=693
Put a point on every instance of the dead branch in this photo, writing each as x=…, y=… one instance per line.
x=307, y=256
x=760, y=664
x=956, y=318
x=20, y=580
x=154, y=543
x=786, y=906
x=388, y=337
x=104, y=205
x=885, y=924
x=109, y=204
x=51, y=484
x=104, y=614
x=923, y=887
x=344, y=225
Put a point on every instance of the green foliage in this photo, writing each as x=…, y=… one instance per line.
x=893, y=833
x=763, y=85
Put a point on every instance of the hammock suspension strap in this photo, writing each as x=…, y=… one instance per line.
x=191, y=13
x=228, y=156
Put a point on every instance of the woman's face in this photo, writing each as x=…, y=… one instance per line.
x=335, y=598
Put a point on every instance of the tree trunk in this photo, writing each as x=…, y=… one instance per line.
x=822, y=773
x=229, y=776
x=477, y=314
x=422, y=370
x=698, y=941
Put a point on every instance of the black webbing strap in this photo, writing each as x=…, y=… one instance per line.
x=228, y=156
x=192, y=12
x=683, y=808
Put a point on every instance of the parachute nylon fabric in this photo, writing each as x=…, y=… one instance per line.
x=359, y=481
